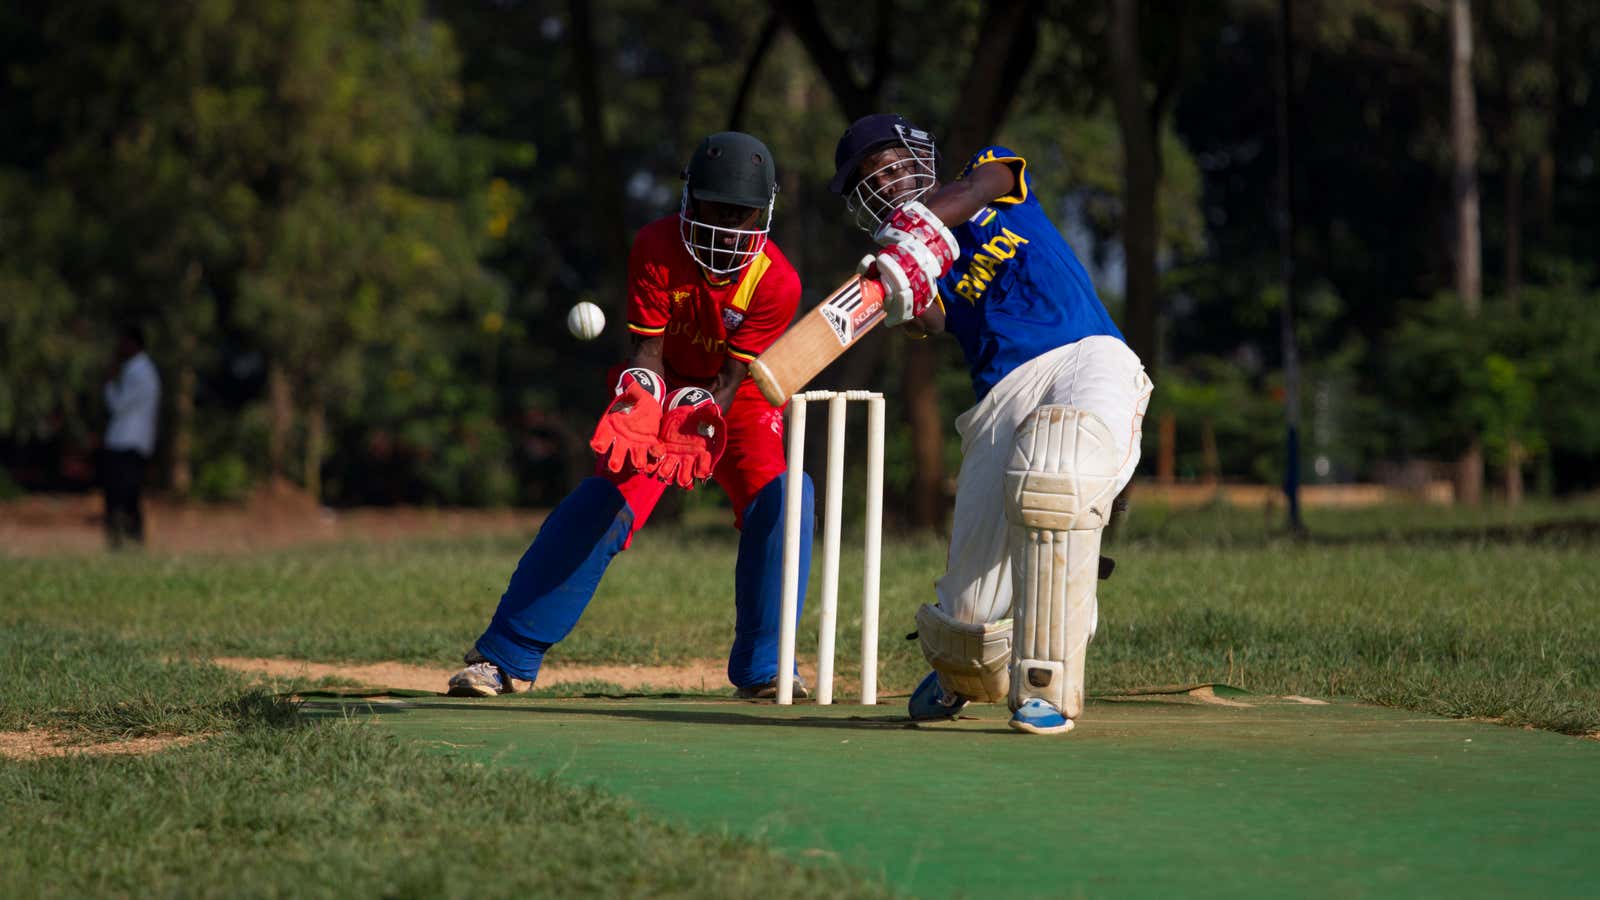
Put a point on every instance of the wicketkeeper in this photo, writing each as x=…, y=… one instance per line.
x=1053, y=438
x=708, y=292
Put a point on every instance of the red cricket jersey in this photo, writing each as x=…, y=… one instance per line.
x=701, y=321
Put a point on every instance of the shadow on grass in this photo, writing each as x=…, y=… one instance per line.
x=739, y=713
x=760, y=714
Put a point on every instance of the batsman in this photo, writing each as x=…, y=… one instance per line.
x=707, y=293
x=1054, y=435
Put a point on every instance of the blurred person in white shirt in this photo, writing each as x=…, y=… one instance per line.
x=133, y=396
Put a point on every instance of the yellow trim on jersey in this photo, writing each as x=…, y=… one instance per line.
x=646, y=330
x=747, y=287
x=1020, y=194
x=742, y=356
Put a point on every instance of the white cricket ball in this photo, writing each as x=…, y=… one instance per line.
x=586, y=321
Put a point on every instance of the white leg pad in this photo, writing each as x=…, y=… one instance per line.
x=1060, y=481
x=971, y=660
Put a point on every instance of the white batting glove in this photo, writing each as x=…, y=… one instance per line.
x=913, y=221
x=909, y=275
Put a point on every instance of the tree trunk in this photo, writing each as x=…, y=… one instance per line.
x=920, y=378
x=1515, y=456
x=832, y=63
x=752, y=68
x=1545, y=162
x=182, y=463
x=1139, y=181
x=182, y=471
x=1464, y=152
x=1167, y=454
x=1211, y=461
x=1464, y=183
x=316, y=428
x=280, y=419
x=1513, y=259
x=1008, y=38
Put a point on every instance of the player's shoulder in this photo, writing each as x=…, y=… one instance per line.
x=780, y=273
x=779, y=264
x=989, y=154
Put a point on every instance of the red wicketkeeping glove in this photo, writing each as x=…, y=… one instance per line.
x=693, y=436
x=626, y=434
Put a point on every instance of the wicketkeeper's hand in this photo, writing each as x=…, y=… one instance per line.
x=693, y=436
x=627, y=433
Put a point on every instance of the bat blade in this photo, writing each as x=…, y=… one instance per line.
x=820, y=337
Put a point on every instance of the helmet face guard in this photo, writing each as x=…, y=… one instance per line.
x=735, y=171
x=875, y=195
x=720, y=250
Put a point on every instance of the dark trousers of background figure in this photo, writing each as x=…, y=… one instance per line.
x=122, y=476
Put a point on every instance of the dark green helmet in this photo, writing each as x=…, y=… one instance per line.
x=732, y=167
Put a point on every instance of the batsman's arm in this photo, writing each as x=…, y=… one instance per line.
x=930, y=322
x=958, y=201
x=955, y=203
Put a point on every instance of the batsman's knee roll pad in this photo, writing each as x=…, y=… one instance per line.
x=1062, y=472
x=1060, y=483
x=971, y=660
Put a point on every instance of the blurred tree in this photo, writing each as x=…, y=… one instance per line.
x=147, y=120
x=1464, y=190
x=372, y=206
x=1140, y=123
x=334, y=223
x=47, y=339
x=291, y=165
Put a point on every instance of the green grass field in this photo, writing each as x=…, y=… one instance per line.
x=1485, y=614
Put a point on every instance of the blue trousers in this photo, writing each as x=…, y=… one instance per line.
x=560, y=571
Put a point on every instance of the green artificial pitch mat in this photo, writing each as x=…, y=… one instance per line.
x=1198, y=792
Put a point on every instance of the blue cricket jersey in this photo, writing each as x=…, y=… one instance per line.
x=1017, y=290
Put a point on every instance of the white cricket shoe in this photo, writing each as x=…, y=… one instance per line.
x=482, y=678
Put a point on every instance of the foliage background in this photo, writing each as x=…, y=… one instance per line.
x=351, y=230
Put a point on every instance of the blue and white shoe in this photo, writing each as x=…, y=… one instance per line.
x=1039, y=717
x=930, y=703
x=482, y=678
x=768, y=690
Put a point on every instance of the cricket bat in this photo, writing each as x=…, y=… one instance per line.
x=819, y=338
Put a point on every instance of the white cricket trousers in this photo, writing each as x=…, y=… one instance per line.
x=1098, y=374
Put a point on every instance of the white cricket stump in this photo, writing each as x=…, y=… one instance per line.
x=828, y=614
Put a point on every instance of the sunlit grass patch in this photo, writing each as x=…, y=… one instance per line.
x=336, y=809
x=99, y=687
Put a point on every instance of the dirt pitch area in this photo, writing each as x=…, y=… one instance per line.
x=698, y=676
x=43, y=743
